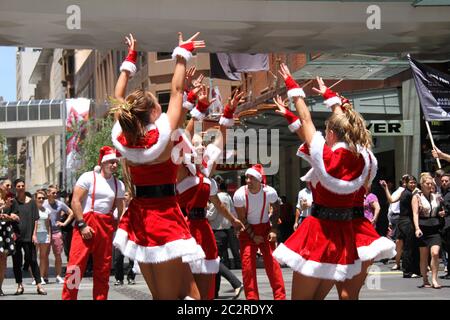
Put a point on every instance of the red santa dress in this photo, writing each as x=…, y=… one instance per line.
x=153, y=229
x=334, y=248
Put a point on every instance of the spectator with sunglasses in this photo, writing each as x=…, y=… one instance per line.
x=41, y=235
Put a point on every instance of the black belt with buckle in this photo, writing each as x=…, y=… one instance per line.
x=195, y=213
x=157, y=191
x=338, y=214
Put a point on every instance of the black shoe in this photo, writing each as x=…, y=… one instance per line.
x=447, y=276
x=131, y=281
x=2, y=294
x=118, y=283
x=407, y=275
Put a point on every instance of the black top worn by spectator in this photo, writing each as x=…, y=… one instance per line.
x=446, y=207
x=405, y=204
x=14, y=208
x=28, y=214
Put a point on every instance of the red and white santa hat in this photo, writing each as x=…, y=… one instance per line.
x=257, y=171
x=106, y=153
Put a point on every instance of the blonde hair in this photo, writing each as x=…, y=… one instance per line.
x=134, y=114
x=424, y=176
x=350, y=127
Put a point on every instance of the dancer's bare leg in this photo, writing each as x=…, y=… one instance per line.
x=204, y=283
x=167, y=280
x=308, y=288
x=350, y=289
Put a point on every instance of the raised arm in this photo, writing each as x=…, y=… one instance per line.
x=389, y=197
x=331, y=99
x=307, y=128
x=438, y=154
x=182, y=53
x=293, y=121
x=192, y=89
x=127, y=69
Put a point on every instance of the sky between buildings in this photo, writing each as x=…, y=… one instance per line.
x=8, y=73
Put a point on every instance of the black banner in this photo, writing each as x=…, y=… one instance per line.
x=433, y=88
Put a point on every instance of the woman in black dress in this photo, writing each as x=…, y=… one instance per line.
x=425, y=206
x=8, y=210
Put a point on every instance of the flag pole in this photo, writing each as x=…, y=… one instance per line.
x=432, y=142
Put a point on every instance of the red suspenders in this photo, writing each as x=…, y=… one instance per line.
x=246, y=203
x=115, y=195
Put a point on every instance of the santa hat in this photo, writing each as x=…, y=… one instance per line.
x=106, y=153
x=257, y=171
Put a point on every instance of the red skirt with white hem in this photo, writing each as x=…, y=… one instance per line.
x=322, y=249
x=155, y=231
x=202, y=232
x=370, y=245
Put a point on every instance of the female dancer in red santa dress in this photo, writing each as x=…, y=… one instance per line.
x=153, y=231
x=336, y=244
x=195, y=188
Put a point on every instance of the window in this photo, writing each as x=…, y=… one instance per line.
x=163, y=99
x=163, y=55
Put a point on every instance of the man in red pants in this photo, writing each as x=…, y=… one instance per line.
x=95, y=196
x=252, y=203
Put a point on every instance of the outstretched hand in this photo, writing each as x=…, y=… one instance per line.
x=322, y=87
x=281, y=105
x=284, y=71
x=203, y=96
x=190, y=44
x=236, y=98
x=131, y=42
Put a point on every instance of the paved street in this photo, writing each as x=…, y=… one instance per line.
x=382, y=284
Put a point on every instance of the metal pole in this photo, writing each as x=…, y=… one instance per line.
x=432, y=142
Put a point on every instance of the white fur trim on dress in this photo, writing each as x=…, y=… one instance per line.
x=310, y=268
x=332, y=101
x=374, y=168
x=204, y=266
x=188, y=105
x=226, y=122
x=382, y=248
x=212, y=154
x=187, y=249
x=190, y=182
x=294, y=126
x=310, y=176
x=254, y=173
x=329, y=182
x=142, y=155
x=297, y=92
x=179, y=51
x=184, y=150
x=195, y=113
x=128, y=66
x=303, y=155
x=189, y=164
